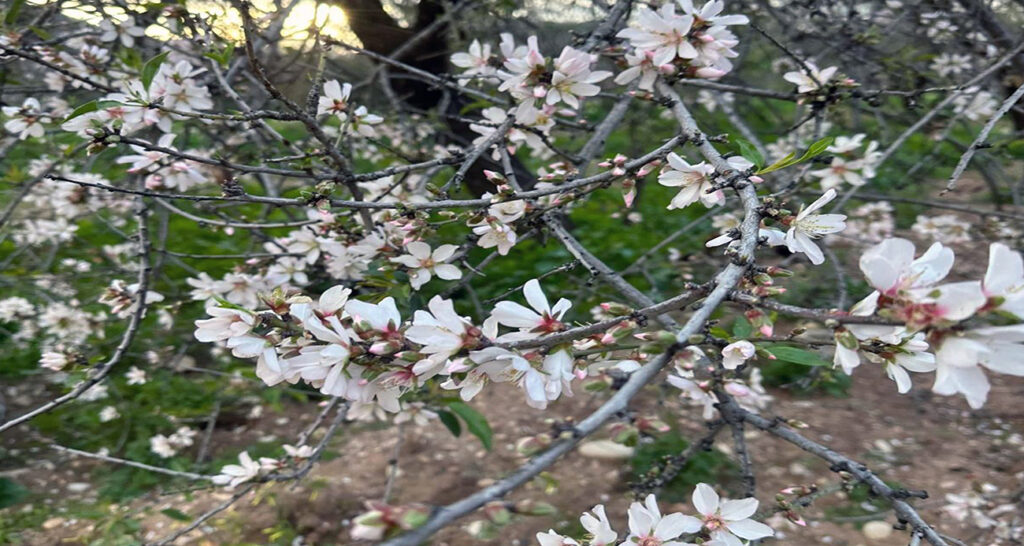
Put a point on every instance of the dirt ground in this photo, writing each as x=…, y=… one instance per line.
x=920, y=441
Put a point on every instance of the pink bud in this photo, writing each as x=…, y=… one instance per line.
x=710, y=73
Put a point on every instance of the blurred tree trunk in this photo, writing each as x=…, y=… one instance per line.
x=381, y=34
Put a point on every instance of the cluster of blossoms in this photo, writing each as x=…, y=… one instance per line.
x=336, y=102
x=944, y=228
x=975, y=104
x=720, y=523
x=537, y=83
x=803, y=228
x=695, y=43
x=939, y=323
x=168, y=446
x=849, y=164
x=365, y=353
x=750, y=394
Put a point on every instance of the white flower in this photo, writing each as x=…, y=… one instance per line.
x=959, y=358
x=109, y=413
x=945, y=228
x=476, y=61
x=234, y=474
x=1004, y=279
x=663, y=32
x=441, y=332
x=136, y=376
x=699, y=393
x=25, y=119
x=890, y=266
x=334, y=100
x=175, y=84
x=300, y=452
x=493, y=233
x=641, y=65
x=597, y=525
x=542, y=318
x=695, y=181
x=144, y=157
x=381, y=317
x=183, y=437
x=808, y=226
x=161, y=446
x=727, y=520
x=126, y=31
x=573, y=78
x=55, y=361
x=710, y=13
x=423, y=262
x=806, y=83
x=224, y=323
x=648, y=527
x=551, y=538
x=735, y=354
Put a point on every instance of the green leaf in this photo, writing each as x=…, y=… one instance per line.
x=817, y=148
x=1016, y=148
x=476, y=423
x=11, y=492
x=741, y=328
x=151, y=67
x=90, y=106
x=174, y=513
x=797, y=356
x=12, y=12
x=749, y=152
x=814, y=150
x=780, y=164
x=449, y=420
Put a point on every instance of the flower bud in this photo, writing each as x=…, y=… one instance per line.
x=531, y=445
x=498, y=513
x=624, y=433
x=534, y=508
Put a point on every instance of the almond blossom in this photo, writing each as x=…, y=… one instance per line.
x=476, y=61
x=648, y=527
x=533, y=321
x=735, y=354
x=663, y=32
x=25, y=119
x=807, y=226
x=423, y=263
x=695, y=181
x=728, y=521
x=1003, y=284
x=809, y=78
x=246, y=470
x=441, y=332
